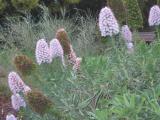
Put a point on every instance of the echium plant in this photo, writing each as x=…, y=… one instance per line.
x=17, y=102
x=127, y=37
x=42, y=52
x=154, y=18
x=16, y=84
x=56, y=50
x=62, y=36
x=108, y=24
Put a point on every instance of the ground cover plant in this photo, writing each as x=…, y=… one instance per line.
x=112, y=83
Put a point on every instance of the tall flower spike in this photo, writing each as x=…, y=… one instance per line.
x=17, y=102
x=62, y=36
x=108, y=24
x=154, y=16
x=16, y=84
x=42, y=52
x=10, y=117
x=126, y=34
x=56, y=50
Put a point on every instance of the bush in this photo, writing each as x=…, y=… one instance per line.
x=2, y=5
x=24, y=4
x=134, y=15
x=118, y=9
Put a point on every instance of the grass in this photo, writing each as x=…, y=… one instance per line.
x=112, y=84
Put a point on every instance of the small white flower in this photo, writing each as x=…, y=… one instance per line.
x=126, y=34
x=42, y=52
x=17, y=102
x=11, y=117
x=154, y=16
x=56, y=50
x=108, y=24
x=16, y=84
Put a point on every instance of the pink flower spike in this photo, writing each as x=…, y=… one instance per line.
x=154, y=16
x=11, y=117
x=56, y=50
x=126, y=34
x=16, y=84
x=108, y=24
x=17, y=102
x=42, y=52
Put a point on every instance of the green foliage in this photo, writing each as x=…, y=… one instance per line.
x=127, y=106
x=134, y=15
x=24, y=4
x=4, y=91
x=119, y=9
x=2, y=5
x=111, y=85
x=72, y=1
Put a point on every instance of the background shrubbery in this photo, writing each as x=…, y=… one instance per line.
x=70, y=7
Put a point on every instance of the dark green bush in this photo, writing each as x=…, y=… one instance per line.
x=118, y=8
x=2, y=5
x=24, y=4
x=134, y=14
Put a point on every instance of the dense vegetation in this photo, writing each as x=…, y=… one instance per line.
x=111, y=84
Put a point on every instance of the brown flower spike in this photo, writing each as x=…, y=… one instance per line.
x=62, y=36
x=24, y=64
x=38, y=102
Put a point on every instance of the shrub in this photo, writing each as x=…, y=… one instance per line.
x=24, y=4
x=134, y=15
x=2, y=5
x=118, y=9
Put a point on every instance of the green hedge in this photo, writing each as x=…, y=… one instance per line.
x=24, y=4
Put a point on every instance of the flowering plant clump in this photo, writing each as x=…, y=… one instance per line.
x=154, y=16
x=10, y=117
x=62, y=36
x=108, y=24
x=16, y=84
x=56, y=50
x=17, y=102
x=42, y=52
x=24, y=64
